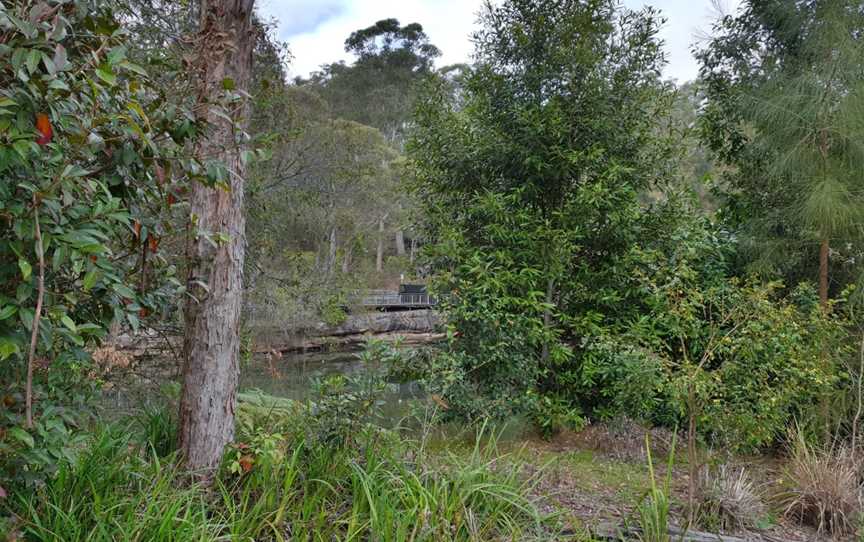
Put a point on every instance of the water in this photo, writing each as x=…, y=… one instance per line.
x=292, y=375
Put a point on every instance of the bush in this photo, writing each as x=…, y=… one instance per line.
x=822, y=487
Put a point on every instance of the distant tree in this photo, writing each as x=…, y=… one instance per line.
x=379, y=88
x=784, y=84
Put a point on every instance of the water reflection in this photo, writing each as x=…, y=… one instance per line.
x=292, y=376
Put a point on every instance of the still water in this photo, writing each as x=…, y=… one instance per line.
x=293, y=376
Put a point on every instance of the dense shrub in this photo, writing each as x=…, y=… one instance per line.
x=86, y=161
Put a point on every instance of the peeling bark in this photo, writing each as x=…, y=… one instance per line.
x=215, y=283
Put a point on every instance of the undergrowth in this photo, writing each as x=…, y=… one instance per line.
x=280, y=486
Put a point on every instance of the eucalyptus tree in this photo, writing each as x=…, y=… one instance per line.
x=379, y=88
x=216, y=247
x=785, y=113
x=530, y=177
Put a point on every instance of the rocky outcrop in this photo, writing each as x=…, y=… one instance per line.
x=410, y=327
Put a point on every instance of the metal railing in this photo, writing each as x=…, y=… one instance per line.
x=387, y=298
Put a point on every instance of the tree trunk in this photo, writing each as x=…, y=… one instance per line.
x=215, y=281
x=331, y=253
x=547, y=317
x=346, y=258
x=823, y=273
x=400, y=242
x=413, y=250
x=37, y=315
x=379, y=254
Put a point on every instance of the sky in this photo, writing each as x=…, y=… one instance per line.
x=316, y=29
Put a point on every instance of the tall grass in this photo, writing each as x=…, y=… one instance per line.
x=385, y=489
x=653, y=508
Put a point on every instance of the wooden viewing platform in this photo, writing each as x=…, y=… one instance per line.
x=405, y=299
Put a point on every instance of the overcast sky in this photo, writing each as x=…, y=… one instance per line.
x=316, y=29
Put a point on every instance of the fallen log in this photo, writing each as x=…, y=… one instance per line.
x=622, y=533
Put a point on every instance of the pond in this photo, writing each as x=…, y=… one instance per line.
x=292, y=376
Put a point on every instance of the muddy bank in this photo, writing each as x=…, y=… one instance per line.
x=409, y=327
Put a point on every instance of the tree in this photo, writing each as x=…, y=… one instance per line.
x=531, y=176
x=379, y=89
x=215, y=251
x=785, y=89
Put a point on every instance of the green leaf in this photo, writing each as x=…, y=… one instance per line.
x=74, y=171
x=22, y=147
x=8, y=347
x=228, y=84
x=105, y=74
x=133, y=68
x=69, y=323
x=123, y=290
x=33, y=60
x=26, y=316
x=22, y=436
x=90, y=279
x=116, y=55
x=26, y=268
x=8, y=311
x=133, y=320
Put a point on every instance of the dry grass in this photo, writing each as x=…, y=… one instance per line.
x=624, y=439
x=729, y=499
x=822, y=488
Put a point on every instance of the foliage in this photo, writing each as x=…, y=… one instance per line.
x=158, y=429
x=379, y=88
x=783, y=85
x=729, y=499
x=393, y=490
x=653, y=508
x=529, y=210
x=345, y=406
x=753, y=358
x=87, y=149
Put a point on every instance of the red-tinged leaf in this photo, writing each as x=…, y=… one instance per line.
x=144, y=312
x=171, y=200
x=137, y=229
x=246, y=462
x=153, y=241
x=160, y=175
x=43, y=126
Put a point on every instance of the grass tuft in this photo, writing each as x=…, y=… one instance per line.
x=822, y=488
x=729, y=499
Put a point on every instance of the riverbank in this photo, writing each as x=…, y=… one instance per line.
x=414, y=327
